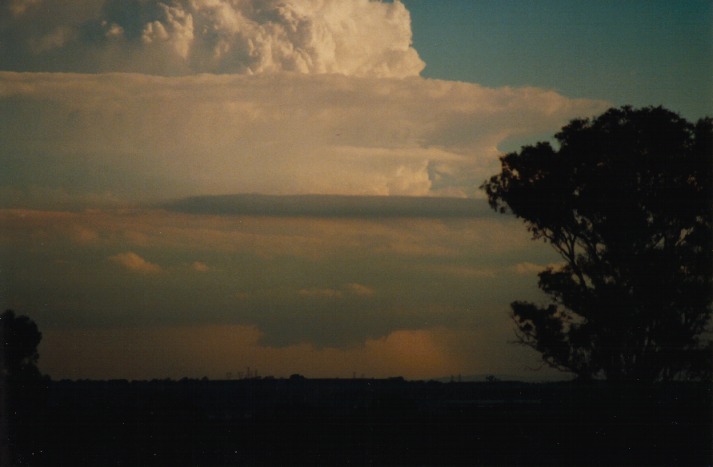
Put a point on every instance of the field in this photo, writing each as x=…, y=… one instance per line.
x=364, y=421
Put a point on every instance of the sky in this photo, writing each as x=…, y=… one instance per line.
x=193, y=187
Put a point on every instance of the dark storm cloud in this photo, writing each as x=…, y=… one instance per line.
x=332, y=206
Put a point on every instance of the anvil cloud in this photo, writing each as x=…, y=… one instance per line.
x=128, y=137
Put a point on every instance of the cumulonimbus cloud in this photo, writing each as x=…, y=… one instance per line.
x=178, y=37
x=302, y=97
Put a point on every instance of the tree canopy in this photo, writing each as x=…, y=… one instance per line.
x=20, y=337
x=626, y=200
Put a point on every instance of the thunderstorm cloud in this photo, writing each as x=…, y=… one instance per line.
x=181, y=37
x=188, y=185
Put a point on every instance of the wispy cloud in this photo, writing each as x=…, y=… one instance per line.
x=134, y=262
x=314, y=292
x=323, y=281
x=352, y=289
x=200, y=266
x=359, y=289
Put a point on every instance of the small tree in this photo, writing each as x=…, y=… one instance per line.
x=626, y=200
x=19, y=337
x=22, y=387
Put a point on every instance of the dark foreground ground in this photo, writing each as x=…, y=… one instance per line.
x=363, y=421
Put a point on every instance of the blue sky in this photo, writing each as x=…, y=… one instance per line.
x=633, y=52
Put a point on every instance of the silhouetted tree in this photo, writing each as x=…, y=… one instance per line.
x=20, y=338
x=625, y=199
x=22, y=388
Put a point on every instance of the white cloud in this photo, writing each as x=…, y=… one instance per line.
x=356, y=37
x=177, y=30
x=138, y=137
x=134, y=262
x=359, y=38
x=113, y=30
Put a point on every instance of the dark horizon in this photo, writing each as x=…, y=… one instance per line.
x=364, y=421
